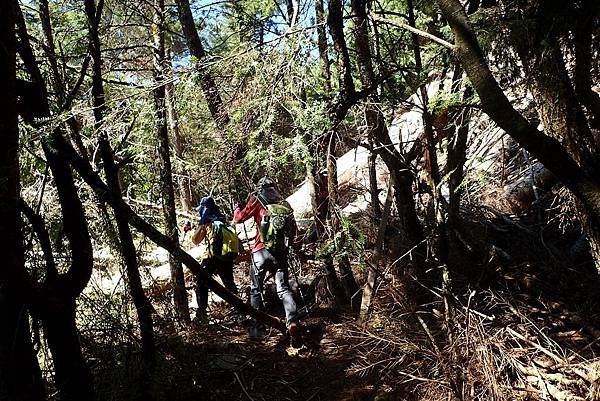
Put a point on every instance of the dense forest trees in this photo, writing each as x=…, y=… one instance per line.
x=458, y=259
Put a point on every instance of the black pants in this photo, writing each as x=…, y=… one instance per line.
x=212, y=266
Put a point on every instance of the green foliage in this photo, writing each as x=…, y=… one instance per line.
x=349, y=241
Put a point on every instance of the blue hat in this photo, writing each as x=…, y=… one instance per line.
x=209, y=211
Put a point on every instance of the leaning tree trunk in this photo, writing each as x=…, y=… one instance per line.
x=583, y=184
x=207, y=83
x=141, y=302
x=166, y=175
x=20, y=376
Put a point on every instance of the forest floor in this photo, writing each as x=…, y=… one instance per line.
x=522, y=325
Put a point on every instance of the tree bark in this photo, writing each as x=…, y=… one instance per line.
x=209, y=87
x=166, y=175
x=20, y=376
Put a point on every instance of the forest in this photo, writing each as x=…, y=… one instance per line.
x=311, y=200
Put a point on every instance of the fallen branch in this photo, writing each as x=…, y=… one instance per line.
x=555, y=357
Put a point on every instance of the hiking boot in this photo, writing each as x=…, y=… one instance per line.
x=295, y=337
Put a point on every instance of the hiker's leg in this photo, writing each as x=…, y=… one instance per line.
x=202, y=289
x=283, y=288
x=257, y=276
x=225, y=272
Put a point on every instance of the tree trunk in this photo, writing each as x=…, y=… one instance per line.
x=70, y=284
x=142, y=304
x=209, y=87
x=557, y=104
x=457, y=148
x=349, y=282
x=432, y=168
x=164, y=158
x=373, y=188
x=73, y=377
x=402, y=179
x=322, y=45
x=183, y=182
x=20, y=376
x=371, y=283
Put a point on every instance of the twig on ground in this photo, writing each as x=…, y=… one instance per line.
x=242, y=386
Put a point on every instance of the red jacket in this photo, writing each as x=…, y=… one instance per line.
x=253, y=209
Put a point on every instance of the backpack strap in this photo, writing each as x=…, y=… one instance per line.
x=217, y=246
x=261, y=199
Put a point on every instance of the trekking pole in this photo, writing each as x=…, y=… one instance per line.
x=295, y=274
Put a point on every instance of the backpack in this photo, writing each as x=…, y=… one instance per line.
x=226, y=244
x=276, y=228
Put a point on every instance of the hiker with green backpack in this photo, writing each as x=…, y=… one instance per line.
x=276, y=233
x=222, y=247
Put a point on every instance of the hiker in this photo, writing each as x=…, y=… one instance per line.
x=276, y=231
x=222, y=247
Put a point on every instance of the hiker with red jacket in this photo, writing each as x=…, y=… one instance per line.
x=276, y=228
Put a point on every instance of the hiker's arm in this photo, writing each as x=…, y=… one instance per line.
x=199, y=235
x=251, y=208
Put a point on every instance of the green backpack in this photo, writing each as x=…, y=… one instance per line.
x=276, y=228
